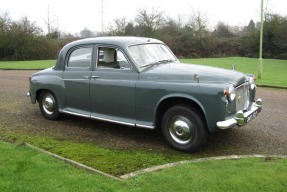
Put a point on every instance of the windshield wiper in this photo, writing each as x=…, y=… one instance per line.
x=165, y=61
x=158, y=62
x=149, y=64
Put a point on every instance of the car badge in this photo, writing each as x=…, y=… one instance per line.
x=239, y=98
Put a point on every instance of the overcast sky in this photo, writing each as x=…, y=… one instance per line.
x=73, y=16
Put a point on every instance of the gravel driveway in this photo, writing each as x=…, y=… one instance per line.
x=267, y=134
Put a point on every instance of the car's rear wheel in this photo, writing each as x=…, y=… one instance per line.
x=48, y=105
x=184, y=128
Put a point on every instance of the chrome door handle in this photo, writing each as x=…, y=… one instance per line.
x=91, y=77
x=94, y=77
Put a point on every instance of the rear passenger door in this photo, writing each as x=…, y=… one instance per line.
x=77, y=80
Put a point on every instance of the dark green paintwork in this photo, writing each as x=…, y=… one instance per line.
x=133, y=96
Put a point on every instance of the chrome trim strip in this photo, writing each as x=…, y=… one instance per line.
x=76, y=79
x=77, y=114
x=113, y=121
x=109, y=120
x=145, y=126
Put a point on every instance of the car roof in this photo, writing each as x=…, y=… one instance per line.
x=121, y=41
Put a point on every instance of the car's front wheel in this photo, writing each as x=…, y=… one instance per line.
x=48, y=105
x=184, y=128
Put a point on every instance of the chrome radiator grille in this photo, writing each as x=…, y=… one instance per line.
x=242, y=97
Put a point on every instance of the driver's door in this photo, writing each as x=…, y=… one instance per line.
x=112, y=87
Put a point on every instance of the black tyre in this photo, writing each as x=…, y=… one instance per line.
x=48, y=105
x=184, y=128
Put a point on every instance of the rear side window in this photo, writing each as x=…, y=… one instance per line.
x=81, y=57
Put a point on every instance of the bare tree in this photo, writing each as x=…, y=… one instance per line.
x=199, y=23
x=25, y=26
x=119, y=26
x=267, y=11
x=52, y=23
x=4, y=21
x=152, y=20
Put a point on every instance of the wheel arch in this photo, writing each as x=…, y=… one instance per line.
x=167, y=102
x=57, y=97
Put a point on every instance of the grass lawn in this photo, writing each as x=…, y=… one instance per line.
x=112, y=161
x=40, y=64
x=24, y=169
x=274, y=71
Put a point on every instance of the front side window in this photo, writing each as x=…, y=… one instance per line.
x=80, y=57
x=148, y=54
x=112, y=58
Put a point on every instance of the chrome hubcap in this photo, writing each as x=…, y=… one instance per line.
x=48, y=104
x=181, y=129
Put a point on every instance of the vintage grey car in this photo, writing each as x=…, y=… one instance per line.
x=139, y=82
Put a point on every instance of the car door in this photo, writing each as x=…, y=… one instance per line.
x=76, y=76
x=112, y=87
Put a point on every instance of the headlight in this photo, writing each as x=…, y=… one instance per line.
x=252, y=82
x=230, y=93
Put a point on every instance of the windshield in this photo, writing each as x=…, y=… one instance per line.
x=149, y=54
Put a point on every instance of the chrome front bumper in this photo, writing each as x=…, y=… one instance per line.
x=241, y=117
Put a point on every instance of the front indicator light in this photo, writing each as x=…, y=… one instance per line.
x=252, y=82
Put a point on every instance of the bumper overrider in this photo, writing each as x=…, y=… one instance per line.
x=241, y=117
